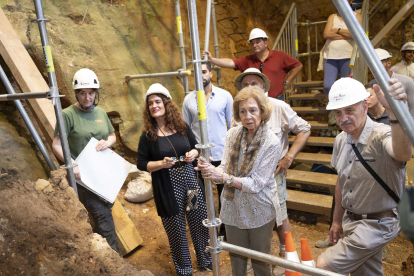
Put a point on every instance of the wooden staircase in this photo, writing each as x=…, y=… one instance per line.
x=311, y=191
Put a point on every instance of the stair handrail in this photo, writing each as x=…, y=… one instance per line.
x=360, y=71
x=282, y=29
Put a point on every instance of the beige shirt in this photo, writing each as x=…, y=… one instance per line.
x=361, y=193
x=403, y=68
x=282, y=121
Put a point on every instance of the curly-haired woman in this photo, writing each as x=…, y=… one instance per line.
x=166, y=135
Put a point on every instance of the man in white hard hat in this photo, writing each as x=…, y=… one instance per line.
x=365, y=211
x=282, y=121
x=219, y=104
x=406, y=66
x=274, y=64
x=407, y=82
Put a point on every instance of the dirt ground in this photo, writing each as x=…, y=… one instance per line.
x=154, y=254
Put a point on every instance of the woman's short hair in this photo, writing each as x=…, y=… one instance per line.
x=93, y=89
x=259, y=96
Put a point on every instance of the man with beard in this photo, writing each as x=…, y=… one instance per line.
x=219, y=105
x=365, y=211
x=406, y=66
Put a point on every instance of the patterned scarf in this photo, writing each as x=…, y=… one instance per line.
x=250, y=151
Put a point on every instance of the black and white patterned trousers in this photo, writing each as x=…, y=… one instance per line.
x=176, y=228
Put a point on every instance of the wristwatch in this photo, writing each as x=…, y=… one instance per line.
x=229, y=181
x=338, y=30
x=285, y=83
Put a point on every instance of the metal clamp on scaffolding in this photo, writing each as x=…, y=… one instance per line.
x=178, y=73
x=215, y=250
x=69, y=167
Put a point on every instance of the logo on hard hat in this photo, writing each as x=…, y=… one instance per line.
x=84, y=83
x=339, y=97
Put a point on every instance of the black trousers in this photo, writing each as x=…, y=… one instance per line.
x=102, y=215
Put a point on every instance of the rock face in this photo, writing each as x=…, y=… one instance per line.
x=49, y=234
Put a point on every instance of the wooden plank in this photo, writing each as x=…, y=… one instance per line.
x=309, y=202
x=323, y=180
x=316, y=141
x=306, y=84
x=310, y=109
x=26, y=74
x=307, y=96
x=321, y=125
x=128, y=236
x=393, y=24
x=314, y=158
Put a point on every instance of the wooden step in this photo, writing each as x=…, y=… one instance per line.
x=322, y=180
x=310, y=109
x=306, y=84
x=321, y=125
x=316, y=141
x=309, y=202
x=307, y=96
x=314, y=158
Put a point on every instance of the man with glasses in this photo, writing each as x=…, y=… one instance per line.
x=406, y=66
x=274, y=64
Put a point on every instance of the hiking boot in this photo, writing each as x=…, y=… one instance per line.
x=323, y=243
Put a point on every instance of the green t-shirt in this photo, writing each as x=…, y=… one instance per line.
x=82, y=126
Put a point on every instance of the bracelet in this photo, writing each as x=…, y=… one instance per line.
x=394, y=121
x=338, y=30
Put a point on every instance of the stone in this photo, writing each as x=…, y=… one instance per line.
x=49, y=189
x=1, y=238
x=41, y=184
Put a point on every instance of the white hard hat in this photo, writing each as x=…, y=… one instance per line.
x=257, y=33
x=251, y=71
x=85, y=78
x=382, y=54
x=157, y=88
x=408, y=46
x=345, y=92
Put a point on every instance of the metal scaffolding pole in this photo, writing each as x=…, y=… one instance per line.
x=216, y=45
x=181, y=43
x=276, y=260
x=54, y=92
x=212, y=222
x=381, y=75
x=179, y=73
x=25, y=117
x=207, y=31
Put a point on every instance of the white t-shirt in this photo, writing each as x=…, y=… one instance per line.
x=338, y=49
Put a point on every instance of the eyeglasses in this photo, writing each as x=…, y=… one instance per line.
x=261, y=67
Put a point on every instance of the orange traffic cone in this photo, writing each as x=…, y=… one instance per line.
x=307, y=258
x=291, y=254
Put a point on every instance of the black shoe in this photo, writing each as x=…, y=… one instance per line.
x=209, y=267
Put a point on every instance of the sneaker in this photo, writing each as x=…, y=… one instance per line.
x=384, y=253
x=249, y=265
x=278, y=271
x=209, y=267
x=323, y=243
x=331, y=118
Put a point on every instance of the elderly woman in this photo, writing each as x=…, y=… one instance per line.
x=250, y=205
x=167, y=149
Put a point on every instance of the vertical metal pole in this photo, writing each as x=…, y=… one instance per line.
x=202, y=117
x=27, y=121
x=207, y=31
x=216, y=46
x=309, y=50
x=181, y=43
x=55, y=92
x=381, y=75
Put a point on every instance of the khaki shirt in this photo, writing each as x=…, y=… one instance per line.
x=282, y=121
x=361, y=193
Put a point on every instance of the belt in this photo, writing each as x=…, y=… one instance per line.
x=385, y=214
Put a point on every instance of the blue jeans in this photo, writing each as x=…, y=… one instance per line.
x=332, y=68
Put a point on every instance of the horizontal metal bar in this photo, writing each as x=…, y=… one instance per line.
x=307, y=54
x=310, y=23
x=178, y=73
x=276, y=260
x=24, y=96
